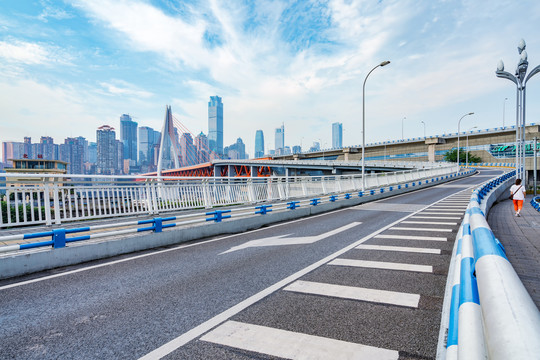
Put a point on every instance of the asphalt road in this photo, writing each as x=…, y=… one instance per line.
x=286, y=290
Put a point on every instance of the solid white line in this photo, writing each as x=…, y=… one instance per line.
x=409, y=237
x=355, y=293
x=437, y=217
x=399, y=248
x=292, y=345
x=381, y=265
x=218, y=319
x=429, y=222
x=420, y=229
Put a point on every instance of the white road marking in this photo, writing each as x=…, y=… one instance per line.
x=355, y=293
x=409, y=237
x=399, y=248
x=429, y=222
x=437, y=217
x=420, y=229
x=427, y=212
x=225, y=315
x=292, y=345
x=284, y=240
x=381, y=265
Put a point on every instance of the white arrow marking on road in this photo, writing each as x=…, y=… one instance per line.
x=284, y=240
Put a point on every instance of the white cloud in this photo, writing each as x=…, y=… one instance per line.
x=28, y=53
x=121, y=88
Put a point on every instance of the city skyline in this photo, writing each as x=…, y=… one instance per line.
x=301, y=64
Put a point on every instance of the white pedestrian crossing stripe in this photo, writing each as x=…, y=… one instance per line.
x=428, y=222
x=399, y=248
x=382, y=265
x=355, y=293
x=410, y=237
x=419, y=229
x=292, y=345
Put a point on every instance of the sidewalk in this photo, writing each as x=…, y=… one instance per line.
x=520, y=237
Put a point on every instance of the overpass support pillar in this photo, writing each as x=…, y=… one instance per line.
x=431, y=147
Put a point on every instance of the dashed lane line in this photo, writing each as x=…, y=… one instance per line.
x=292, y=345
x=355, y=293
x=381, y=265
x=399, y=249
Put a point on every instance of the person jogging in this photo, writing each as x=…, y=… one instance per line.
x=518, y=195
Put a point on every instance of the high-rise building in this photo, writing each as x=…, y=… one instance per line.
x=259, y=144
x=188, y=151
x=128, y=136
x=28, y=147
x=215, y=124
x=47, y=148
x=147, y=140
x=236, y=150
x=72, y=152
x=201, y=144
x=296, y=149
x=107, y=150
x=280, y=140
x=92, y=153
x=337, y=135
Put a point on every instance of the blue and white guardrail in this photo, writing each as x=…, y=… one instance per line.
x=491, y=313
x=58, y=237
x=535, y=202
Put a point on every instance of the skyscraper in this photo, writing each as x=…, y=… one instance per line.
x=337, y=135
x=72, y=152
x=107, y=150
x=201, y=143
x=215, y=124
x=280, y=140
x=259, y=144
x=147, y=140
x=128, y=136
x=188, y=151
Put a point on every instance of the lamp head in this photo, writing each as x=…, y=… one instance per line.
x=521, y=46
x=500, y=66
x=524, y=55
x=470, y=113
x=384, y=63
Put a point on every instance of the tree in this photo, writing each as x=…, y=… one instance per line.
x=451, y=156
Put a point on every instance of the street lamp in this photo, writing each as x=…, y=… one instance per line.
x=520, y=79
x=384, y=63
x=458, y=124
x=423, y=123
x=467, y=153
x=402, y=121
x=504, y=111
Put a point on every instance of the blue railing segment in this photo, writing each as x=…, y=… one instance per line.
x=293, y=205
x=347, y=196
x=263, y=209
x=333, y=198
x=218, y=215
x=315, y=201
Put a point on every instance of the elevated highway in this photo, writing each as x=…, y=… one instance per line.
x=368, y=280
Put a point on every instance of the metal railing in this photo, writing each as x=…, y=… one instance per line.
x=491, y=314
x=48, y=199
x=58, y=237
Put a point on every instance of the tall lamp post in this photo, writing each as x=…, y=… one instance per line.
x=520, y=79
x=384, y=63
x=458, y=125
x=467, y=153
x=402, y=124
x=504, y=109
x=423, y=123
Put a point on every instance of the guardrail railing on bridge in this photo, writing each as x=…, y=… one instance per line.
x=491, y=314
x=58, y=238
x=48, y=199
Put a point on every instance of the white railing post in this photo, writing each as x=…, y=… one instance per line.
x=47, y=204
x=56, y=204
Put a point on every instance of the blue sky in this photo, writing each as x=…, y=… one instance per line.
x=68, y=67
